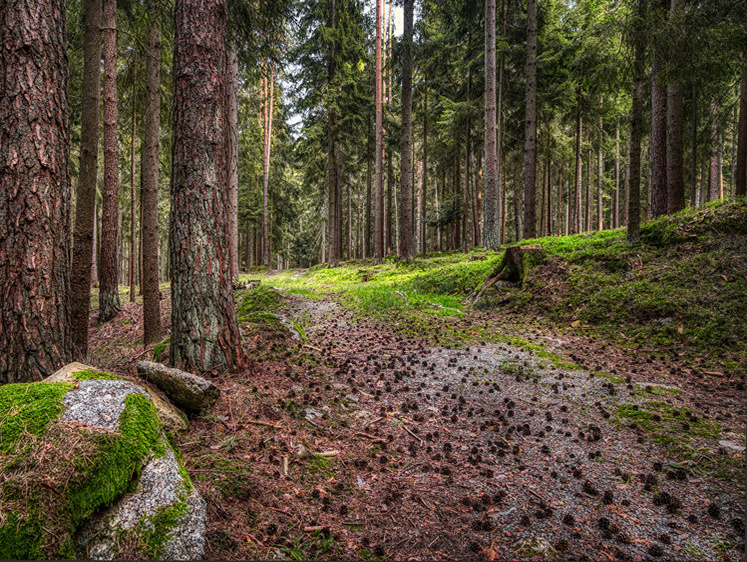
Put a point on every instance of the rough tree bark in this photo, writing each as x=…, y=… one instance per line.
x=80, y=276
x=109, y=304
x=149, y=179
x=204, y=333
x=616, y=191
x=232, y=151
x=530, y=140
x=406, y=185
x=636, y=125
x=34, y=191
x=379, y=176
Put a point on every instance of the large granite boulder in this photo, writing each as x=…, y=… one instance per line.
x=172, y=419
x=86, y=471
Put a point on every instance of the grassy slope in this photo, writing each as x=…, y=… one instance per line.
x=682, y=291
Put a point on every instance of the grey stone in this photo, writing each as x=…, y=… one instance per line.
x=172, y=420
x=160, y=486
x=98, y=403
x=186, y=390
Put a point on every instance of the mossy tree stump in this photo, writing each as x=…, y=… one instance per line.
x=516, y=261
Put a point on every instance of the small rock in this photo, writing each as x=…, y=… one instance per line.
x=186, y=390
x=534, y=547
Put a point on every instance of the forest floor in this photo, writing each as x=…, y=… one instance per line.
x=596, y=412
x=352, y=438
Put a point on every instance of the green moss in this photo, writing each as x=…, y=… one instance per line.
x=122, y=456
x=160, y=348
x=28, y=408
x=96, y=375
x=159, y=525
x=99, y=472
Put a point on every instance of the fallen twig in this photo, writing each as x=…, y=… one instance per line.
x=266, y=424
x=371, y=437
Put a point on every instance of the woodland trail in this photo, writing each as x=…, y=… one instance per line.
x=457, y=452
x=489, y=445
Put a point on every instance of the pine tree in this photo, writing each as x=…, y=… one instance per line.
x=35, y=193
x=204, y=333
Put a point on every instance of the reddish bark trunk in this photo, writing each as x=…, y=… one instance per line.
x=34, y=192
x=85, y=205
x=379, y=177
x=149, y=181
x=109, y=304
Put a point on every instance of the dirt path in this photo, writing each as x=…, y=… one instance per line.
x=489, y=446
x=481, y=452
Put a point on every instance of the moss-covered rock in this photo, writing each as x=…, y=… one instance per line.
x=70, y=449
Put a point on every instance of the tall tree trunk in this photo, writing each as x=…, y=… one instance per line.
x=658, y=127
x=741, y=179
x=406, y=168
x=149, y=179
x=517, y=202
x=85, y=203
x=389, y=207
x=333, y=203
x=424, y=179
x=379, y=181
x=338, y=200
x=369, y=177
x=491, y=219
x=600, y=177
x=636, y=124
x=109, y=304
x=204, y=333
x=615, y=218
x=577, y=210
x=530, y=131
x=714, y=188
x=35, y=192
x=675, y=156
x=232, y=152
x=133, y=191
x=269, y=108
x=501, y=168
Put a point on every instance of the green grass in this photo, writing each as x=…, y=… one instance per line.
x=682, y=291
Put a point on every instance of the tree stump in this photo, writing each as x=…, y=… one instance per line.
x=510, y=268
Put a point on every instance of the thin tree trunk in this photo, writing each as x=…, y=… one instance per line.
x=406, y=167
x=369, y=177
x=636, y=124
x=424, y=179
x=600, y=177
x=269, y=107
x=491, y=220
x=96, y=245
x=149, y=180
x=616, y=192
x=109, y=304
x=675, y=156
x=35, y=192
x=379, y=229
x=85, y=206
x=133, y=191
x=740, y=184
x=658, y=128
x=204, y=333
x=530, y=132
x=232, y=151
x=577, y=184
x=389, y=207
x=714, y=191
